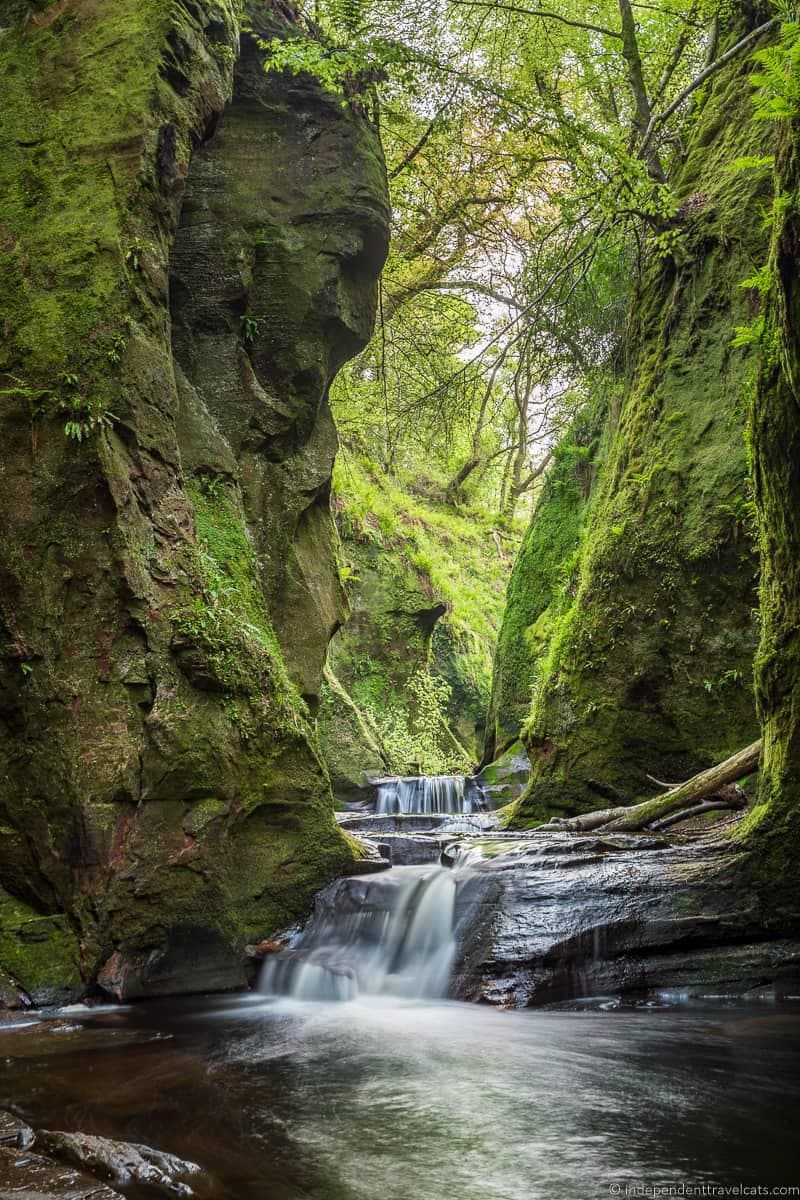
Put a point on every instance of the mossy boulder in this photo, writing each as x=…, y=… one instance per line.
x=40, y=955
x=189, y=251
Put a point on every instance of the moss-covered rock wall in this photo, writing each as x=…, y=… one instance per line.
x=630, y=618
x=773, y=829
x=542, y=573
x=426, y=584
x=189, y=251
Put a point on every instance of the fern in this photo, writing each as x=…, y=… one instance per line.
x=777, y=84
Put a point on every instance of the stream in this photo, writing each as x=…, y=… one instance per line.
x=349, y=1076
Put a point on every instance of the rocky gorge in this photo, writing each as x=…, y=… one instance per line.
x=340, y=702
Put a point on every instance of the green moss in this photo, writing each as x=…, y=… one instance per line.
x=227, y=616
x=542, y=577
x=771, y=831
x=41, y=953
x=169, y=776
x=68, y=219
x=426, y=585
x=641, y=661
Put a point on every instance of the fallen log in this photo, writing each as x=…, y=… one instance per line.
x=708, y=785
x=730, y=797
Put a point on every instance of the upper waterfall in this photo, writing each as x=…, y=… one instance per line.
x=429, y=794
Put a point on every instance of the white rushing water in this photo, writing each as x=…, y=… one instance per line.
x=394, y=937
x=428, y=794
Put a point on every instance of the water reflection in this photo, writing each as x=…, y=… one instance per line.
x=393, y=1101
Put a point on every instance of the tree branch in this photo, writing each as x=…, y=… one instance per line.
x=473, y=285
x=641, y=104
x=526, y=483
x=421, y=142
x=536, y=12
x=708, y=785
x=699, y=80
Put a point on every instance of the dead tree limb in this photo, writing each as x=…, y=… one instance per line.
x=728, y=797
x=660, y=783
x=708, y=785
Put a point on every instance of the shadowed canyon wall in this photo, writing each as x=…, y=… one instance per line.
x=773, y=828
x=189, y=250
x=628, y=641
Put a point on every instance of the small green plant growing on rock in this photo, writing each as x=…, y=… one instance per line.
x=224, y=53
x=85, y=418
x=134, y=255
x=84, y=415
x=251, y=327
x=116, y=349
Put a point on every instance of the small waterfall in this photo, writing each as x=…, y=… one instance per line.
x=428, y=794
x=391, y=935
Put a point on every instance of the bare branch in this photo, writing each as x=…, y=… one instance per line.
x=660, y=783
x=540, y=468
x=674, y=61
x=473, y=285
x=699, y=80
x=536, y=12
x=422, y=140
x=642, y=110
x=670, y=12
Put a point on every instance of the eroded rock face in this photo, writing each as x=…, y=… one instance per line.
x=283, y=234
x=167, y=582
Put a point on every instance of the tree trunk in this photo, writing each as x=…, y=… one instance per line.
x=641, y=102
x=705, y=786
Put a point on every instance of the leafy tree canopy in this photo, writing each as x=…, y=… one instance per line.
x=530, y=151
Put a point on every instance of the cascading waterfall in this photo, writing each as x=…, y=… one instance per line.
x=389, y=935
x=428, y=794
x=392, y=934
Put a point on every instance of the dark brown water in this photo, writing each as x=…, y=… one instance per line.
x=394, y=1101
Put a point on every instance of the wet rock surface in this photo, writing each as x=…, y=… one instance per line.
x=374, y=823
x=122, y=1162
x=58, y=1165
x=503, y=780
x=25, y=1175
x=568, y=917
x=14, y=1132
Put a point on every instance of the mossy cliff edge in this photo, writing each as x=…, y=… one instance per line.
x=189, y=251
x=629, y=637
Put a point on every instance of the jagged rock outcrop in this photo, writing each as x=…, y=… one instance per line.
x=190, y=250
x=632, y=629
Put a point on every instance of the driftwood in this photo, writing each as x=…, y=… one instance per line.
x=710, y=789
